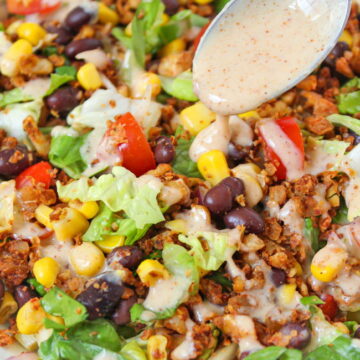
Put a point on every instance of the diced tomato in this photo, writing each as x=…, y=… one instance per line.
x=25, y=7
x=136, y=151
x=290, y=127
x=330, y=308
x=38, y=173
x=200, y=35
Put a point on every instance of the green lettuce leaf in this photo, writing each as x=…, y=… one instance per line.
x=341, y=216
x=13, y=96
x=105, y=223
x=353, y=83
x=59, y=348
x=99, y=332
x=311, y=233
x=118, y=192
x=217, y=244
x=220, y=4
x=349, y=103
x=311, y=300
x=182, y=164
x=62, y=75
x=180, y=87
x=58, y=303
x=132, y=351
x=347, y=121
x=65, y=154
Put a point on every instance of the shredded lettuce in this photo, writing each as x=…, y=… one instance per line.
x=347, y=121
x=62, y=75
x=12, y=117
x=132, y=351
x=119, y=192
x=217, y=244
x=311, y=233
x=105, y=223
x=13, y=96
x=349, y=103
x=180, y=87
x=65, y=154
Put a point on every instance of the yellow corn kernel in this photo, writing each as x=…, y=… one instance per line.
x=69, y=223
x=174, y=47
x=148, y=79
x=89, y=78
x=328, y=262
x=196, y=117
x=28, y=342
x=332, y=195
x=7, y=307
x=110, y=242
x=45, y=271
x=31, y=32
x=178, y=225
x=213, y=166
x=107, y=15
x=346, y=37
x=286, y=294
x=165, y=19
x=150, y=271
x=203, y=2
x=156, y=347
x=42, y=215
x=323, y=273
x=87, y=259
x=128, y=30
x=30, y=317
x=10, y=62
x=250, y=114
x=89, y=209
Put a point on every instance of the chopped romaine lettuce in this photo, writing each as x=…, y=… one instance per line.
x=349, y=103
x=13, y=96
x=311, y=233
x=133, y=351
x=217, y=244
x=12, y=117
x=347, y=121
x=58, y=303
x=62, y=75
x=105, y=223
x=65, y=154
x=341, y=216
x=180, y=87
x=119, y=192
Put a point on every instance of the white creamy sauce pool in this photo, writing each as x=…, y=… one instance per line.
x=260, y=47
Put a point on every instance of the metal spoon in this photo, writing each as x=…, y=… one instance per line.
x=227, y=86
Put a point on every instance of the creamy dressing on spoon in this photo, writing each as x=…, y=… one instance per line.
x=259, y=48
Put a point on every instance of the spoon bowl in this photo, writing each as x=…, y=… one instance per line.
x=255, y=50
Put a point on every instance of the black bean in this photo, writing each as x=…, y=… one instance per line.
x=64, y=36
x=121, y=315
x=336, y=53
x=127, y=256
x=244, y=354
x=164, y=150
x=357, y=333
x=77, y=18
x=355, y=136
x=14, y=161
x=219, y=199
x=2, y=290
x=63, y=100
x=236, y=186
x=278, y=277
x=79, y=46
x=299, y=334
x=171, y=6
x=236, y=155
x=102, y=296
x=248, y=217
x=23, y=293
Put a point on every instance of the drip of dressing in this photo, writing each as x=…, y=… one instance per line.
x=262, y=48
